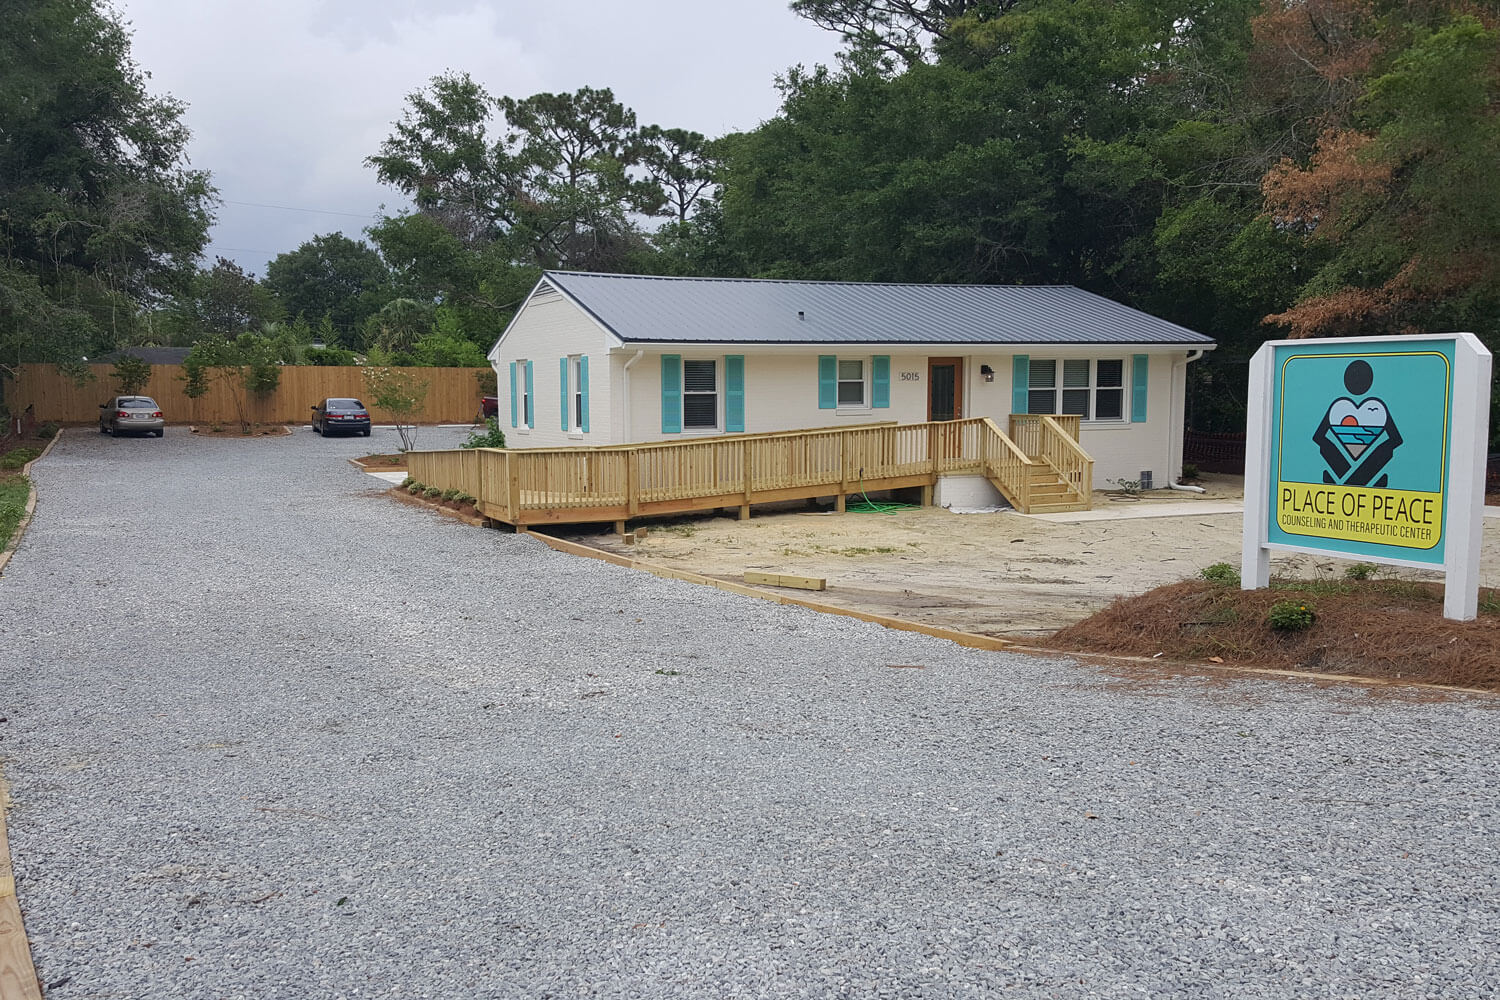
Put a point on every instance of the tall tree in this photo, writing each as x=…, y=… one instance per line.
x=682, y=164
x=99, y=211
x=334, y=276
x=904, y=28
x=442, y=156
x=1400, y=192
x=223, y=301
x=575, y=152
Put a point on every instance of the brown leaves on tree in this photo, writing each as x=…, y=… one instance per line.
x=1341, y=175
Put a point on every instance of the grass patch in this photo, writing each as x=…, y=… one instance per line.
x=13, y=493
x=1386, y=628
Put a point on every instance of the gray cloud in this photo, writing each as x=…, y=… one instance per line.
x=286, y=98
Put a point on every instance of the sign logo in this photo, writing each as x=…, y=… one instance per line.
x=1361, y=445
x=1357, y=439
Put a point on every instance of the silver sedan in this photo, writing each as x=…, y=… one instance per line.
x=131, y=415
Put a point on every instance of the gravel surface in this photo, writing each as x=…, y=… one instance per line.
x=272, y=735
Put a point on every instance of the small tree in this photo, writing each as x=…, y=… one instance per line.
x=131, y=375
x=246, y=364
x=401, y=395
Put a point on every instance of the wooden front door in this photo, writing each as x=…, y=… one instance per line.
x=945, y=388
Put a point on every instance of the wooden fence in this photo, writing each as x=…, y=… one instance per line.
x=572, y=485
x=452, y=394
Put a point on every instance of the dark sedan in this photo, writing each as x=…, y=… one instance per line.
x=341, y=416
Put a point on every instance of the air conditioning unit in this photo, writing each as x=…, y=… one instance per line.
x=1146, y=480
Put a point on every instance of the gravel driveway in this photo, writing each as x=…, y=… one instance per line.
x=271, y=735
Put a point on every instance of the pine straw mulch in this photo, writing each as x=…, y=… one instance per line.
x=1390, y=629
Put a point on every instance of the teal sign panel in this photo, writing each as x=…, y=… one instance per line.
x=1359, y=448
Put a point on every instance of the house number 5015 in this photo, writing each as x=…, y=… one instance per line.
x=911, y=376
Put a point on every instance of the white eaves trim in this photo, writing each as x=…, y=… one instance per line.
x=543, y=286
x=1090, y=349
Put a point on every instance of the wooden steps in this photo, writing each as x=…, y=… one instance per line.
x=1052, y=494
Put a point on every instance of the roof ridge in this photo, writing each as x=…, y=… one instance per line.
x=806, y=281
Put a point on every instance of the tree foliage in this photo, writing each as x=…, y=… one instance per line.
x=331, y=276
x=1399, y=193
x=900, y=27
x=131, y=375
x=100, y=214
x=403, y=397
x=250, y=363
x=223, y=301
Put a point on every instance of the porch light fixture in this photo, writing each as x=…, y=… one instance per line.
x=987, y=372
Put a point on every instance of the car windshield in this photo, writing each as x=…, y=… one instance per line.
x=345, y=404
x=138, y=403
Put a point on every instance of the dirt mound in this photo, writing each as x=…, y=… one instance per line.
x=1390, y=629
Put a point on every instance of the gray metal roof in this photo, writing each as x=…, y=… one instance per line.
x=651, y=309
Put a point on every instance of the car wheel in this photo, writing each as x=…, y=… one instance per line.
x=162, y=432
x=366, y=432
x=103, y=429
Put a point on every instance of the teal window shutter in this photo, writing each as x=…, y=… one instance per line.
x=1140, y=368
x=880, y=397
x=530, y=398
x=671, y=393
x=562, y=375
x=583, y=387
x=1020, y=384
x=734, y=393
x=828, y=389
x=513, y=399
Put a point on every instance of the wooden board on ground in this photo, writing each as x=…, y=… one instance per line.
x=17, y=975
x=786, y=580
x=952, y=635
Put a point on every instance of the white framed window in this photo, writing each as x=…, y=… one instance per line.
x=700, y=395
x=853, y=392
x=575, y=382
x=1091, y=388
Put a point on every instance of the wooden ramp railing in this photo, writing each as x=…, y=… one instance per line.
x=615, y=483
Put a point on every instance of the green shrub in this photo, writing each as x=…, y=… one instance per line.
x=1222, y=573
x=1189, y=471
x=463, y=497
x=1291, y=616
x=451, y=493
x=432, y=492
x=413, y=487
x=491, y=437
x=328, y=356
x=47, y=431
x=407, y=482
x=1359, y=571
x=14, y=492
x=17, y=457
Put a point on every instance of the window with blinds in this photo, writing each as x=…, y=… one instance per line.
x=700, y=395
x=1093, y=389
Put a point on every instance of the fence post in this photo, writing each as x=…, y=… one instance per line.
x=842, y=500
x=513, y=487
x=632, y=482
x=745, y=447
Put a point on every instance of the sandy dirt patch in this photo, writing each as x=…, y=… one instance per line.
x=1001, y=574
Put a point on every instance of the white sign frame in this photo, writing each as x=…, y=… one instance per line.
x=1463, y=515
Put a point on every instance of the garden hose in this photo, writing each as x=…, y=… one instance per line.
x=868, y=506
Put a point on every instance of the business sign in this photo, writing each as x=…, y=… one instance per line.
x=1369, y=448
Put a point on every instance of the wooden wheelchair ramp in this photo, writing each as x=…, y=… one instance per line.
x=526, y=487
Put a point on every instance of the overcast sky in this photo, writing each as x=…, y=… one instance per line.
x=287, y=97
